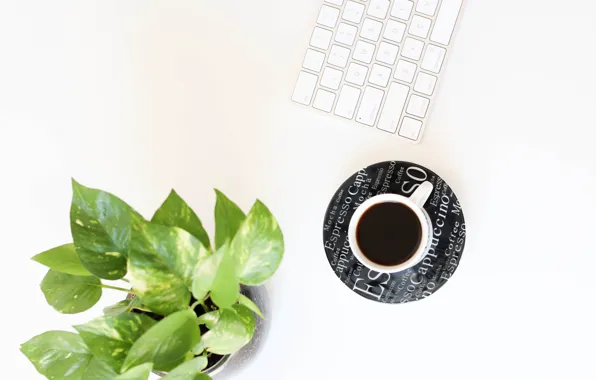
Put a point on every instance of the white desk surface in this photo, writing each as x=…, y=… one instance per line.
x=137, y=97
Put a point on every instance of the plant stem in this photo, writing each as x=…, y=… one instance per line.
x=125, y=280
x=202, y=303
x=117, y=288
x=197, y=303
x=204, y=307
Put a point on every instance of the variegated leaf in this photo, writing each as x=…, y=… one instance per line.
x=101, y=225
x=122, y=307
x=228, y=217
x=205, y=274
x=234, y=328
x=140, y=372
x=63, y=355
x=70, y=294
x=188, y=370
x=167, y=343
x=98, y=370
x=62, y=259
x=216, y=273
x=175, y=212
x=244, y=300
x=209, y=319
x=110, y=338
x=161, y=265
x=225, y=287
x=258, y=246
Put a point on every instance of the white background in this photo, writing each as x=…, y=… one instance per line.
x=137, y=97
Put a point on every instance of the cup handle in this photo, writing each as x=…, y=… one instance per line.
x=422, y=193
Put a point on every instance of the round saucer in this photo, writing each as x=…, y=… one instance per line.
x=446, y=247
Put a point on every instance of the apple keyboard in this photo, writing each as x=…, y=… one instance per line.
x=377, y=62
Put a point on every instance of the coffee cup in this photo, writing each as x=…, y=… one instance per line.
x=390, y=233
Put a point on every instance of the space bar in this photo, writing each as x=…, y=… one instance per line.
x=446, y=20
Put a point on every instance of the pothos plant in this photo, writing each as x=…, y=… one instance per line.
x=187, y=304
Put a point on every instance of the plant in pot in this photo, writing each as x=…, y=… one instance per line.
x=187, y=309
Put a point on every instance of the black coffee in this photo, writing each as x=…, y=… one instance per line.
x=389, y=233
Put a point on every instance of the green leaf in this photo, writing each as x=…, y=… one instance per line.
x=225, y=287
x=58, y=355
x=62, y=259
x=234, y=329
x=161, y=265
x=188, y=370
x=100, y=224
x=63, y=355
x=216, y=273
x=98, y=370
x=118, y=308
x=198, y=348
x=174, y=212
x=165, y=343
x=125, y=306
x=244, y=300
x=209, y=319
x=258, y=246
x=205, y=274
x=110, y=338
x=122, y=307
x=140, y=372
x=70, y=294
x=228, y=217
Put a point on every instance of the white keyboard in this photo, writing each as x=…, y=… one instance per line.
x=378, y=62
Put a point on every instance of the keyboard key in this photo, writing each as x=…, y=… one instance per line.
x=395, y=31
x=346, y=103
x=305, y=86
x=425, y=83
x=371, y=30
x=417, y=105
x=393, y=108
x=412, y=48
x=445, y=22
x=313, y=60
x=364, y=52
x=369, y=106
x=433, y=58
x=328, y=16
x=402, y=9
x=379, y=75
x=405, y=71
x=353, y=12
x=378, y=8
x=427, y=7
x=338, y=56
x=331, y=78
x=321, y=38
x=356, y=74
x=324, y=100
x=420, y=26
x=387, y=53
x=377, y=62
x=410, y=128
x=346, y=34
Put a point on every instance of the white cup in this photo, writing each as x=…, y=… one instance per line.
x=415, y=203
